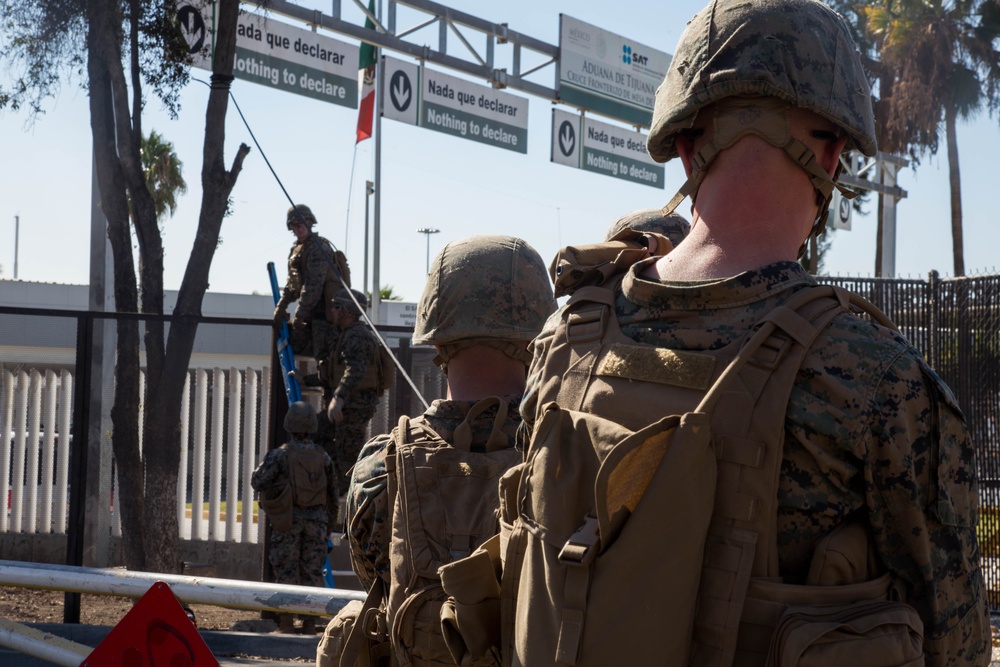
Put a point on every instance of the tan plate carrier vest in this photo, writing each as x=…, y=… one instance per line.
x=630, y=543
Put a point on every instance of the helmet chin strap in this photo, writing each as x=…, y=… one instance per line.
x=769, y=119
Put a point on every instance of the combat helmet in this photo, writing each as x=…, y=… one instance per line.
x=300, y=418
x=672, y=225
x=733, y=53
x=300, y=212
x=343, y=299
x=488, y=289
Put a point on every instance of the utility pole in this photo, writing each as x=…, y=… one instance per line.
x=427, y=231
x=17, y=235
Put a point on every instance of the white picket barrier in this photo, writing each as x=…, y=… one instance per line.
x=36, y=416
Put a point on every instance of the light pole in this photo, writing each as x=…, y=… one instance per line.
x=427, y=231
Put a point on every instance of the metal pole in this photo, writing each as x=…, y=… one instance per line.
x=193, y=590
x=427, y=231
x=887, y=173
x=369, y=189
x=17, y=235
x=377, y=254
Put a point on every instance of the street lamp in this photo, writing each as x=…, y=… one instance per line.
x=427, y=231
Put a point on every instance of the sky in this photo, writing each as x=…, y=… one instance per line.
x=428, y=179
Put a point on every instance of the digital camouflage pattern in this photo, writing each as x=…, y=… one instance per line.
x=799, y=51
x=870, y=430
x=297, y=556
x=368, y=531
x=488, y=287
x=343, y=299
x=312, y=263
x=300, y=213
x=672, y=225
x=349, y=361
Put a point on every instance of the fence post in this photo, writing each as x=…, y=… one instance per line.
x=78, y=459
x=404, y=395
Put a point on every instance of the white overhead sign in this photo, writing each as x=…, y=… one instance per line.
x=608, y=73
x=584, y=143
x=839, y=216
x=277, y=54
x=398, y=313
x=437, y=101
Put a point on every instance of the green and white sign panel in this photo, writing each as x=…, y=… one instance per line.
x=278, y=55
x=437, y=101
x=578, y=141
x=607, y=73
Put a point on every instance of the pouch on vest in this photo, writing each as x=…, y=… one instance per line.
x=277, y=505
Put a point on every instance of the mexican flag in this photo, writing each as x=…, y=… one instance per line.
x=366, y=109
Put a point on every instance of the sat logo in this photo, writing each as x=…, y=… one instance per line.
x=629, y=57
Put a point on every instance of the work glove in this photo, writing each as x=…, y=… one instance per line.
x=280, y=315
x=299, y=322
x=336, y=410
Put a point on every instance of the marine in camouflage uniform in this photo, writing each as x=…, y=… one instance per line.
x=297, y=555
x=871, y=431
x=489, y=291
x=315, y=272
x=352, y=385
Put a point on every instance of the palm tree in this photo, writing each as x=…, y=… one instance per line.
x=944, y=67
x=387, y=294
x=162, y=169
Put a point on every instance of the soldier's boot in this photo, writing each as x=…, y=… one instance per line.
x=286, y=624
x=309, y=625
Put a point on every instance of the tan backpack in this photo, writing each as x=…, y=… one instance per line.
x=307, y=476
x=443, y=500
x=624, y=542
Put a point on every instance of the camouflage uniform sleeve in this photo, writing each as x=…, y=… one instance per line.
x=368, y=529
x=357, y=350
x=269, y=470
x=529, y=404
x=922, y=492
x=332, y=494
x=314, y=266
x=293, y=284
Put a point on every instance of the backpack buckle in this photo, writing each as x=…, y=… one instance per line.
x=581, y=547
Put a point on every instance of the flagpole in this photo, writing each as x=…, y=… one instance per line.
x=350, y=191
x=377, y=232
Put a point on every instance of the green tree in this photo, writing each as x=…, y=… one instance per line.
x=387, y=294
x=162, y=169
x=118, y=50
x=942, y=65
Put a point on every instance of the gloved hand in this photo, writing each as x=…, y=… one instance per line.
x=299, y=322
x=280, y=315
x=336, y=410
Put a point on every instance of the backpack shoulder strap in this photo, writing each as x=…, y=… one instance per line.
x=498, y=439
x=748, y=402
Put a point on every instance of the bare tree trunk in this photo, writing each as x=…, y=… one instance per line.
x=162, y=431
x=955, y=180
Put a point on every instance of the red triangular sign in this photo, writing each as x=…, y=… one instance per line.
x=156, y=632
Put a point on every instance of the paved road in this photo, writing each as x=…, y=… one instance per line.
x=271, y=650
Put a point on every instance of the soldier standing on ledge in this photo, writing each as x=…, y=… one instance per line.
x=315, y=272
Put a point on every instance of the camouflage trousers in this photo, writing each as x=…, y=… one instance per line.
x=316, y=340
x=343, y=441
x=297, y=556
